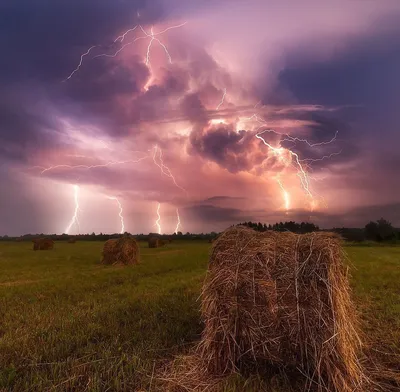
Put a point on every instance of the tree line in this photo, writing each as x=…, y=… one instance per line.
x=380, y=231
x=301, y=228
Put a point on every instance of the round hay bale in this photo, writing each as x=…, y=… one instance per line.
x=123, y=250
x=72, y=241
x=154, y=242
x=281, y=300
x=43, y=244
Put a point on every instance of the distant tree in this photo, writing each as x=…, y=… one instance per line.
x=381, y=230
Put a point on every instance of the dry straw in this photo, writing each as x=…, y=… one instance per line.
x=43, y=244
x=123, y=250
x=276, y=301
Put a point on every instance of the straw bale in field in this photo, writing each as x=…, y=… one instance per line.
x=43, y=244
x=281, y=300
x=155, y=242
x=123, y=250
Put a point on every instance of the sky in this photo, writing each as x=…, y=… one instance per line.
x=176, y=115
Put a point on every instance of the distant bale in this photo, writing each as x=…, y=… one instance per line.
x=162, y=243
x=123, y=250
x=154, y=242
x=281, y=300
x=72, y=241
x=43, y=244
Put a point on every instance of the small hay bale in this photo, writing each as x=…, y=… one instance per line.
x=43, y=244
x=123, y=250
x=72, y=241
x=281, y=300
x=154, y=242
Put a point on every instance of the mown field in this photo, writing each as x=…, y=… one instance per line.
x=68, y=323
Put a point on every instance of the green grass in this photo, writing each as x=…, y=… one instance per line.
x=70, y=324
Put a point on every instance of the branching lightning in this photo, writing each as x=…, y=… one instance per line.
x=121, y=216
x=110, y=163
x=164, y=169
x=280, y=152
x=152, y=36
x=178, y=224
x=296, y=139
x=74, y=219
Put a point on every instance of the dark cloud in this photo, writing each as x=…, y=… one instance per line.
x=25, y=128
x=222, y=199
x=44, y=39
x=209, y=213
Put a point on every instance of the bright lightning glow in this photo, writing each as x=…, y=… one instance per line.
x=164, y=169
x=178, y=225
x=222, y=100
x=280, y=151
x=286, y=195
x=121, y=216
x=74, y=219
x=80, y=62
x=158, y=219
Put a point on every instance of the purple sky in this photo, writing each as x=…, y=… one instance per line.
x=260, y=110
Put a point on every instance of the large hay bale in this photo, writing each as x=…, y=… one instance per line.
x=123, y=250
x=43, y=244
x=281, y=299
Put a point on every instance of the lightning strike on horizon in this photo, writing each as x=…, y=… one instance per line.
x=74, y=219
x=222, y=100
x=164, y=169
x=121, y=216
x=285, y=193
x=158, y=219
x=178, y=223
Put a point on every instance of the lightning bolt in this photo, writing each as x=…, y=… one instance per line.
x=122, y=36
x=164, y=169
x=74, y=219
x=110, y=163
x=286, y=195
x=158, y=219
x=121, y=216
x=295, y=139
x=222, y=100
x=280, y=152
x=152, y=36
x=80, y=62
x=178, y=223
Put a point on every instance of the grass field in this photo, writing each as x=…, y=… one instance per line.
x=70, y=324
